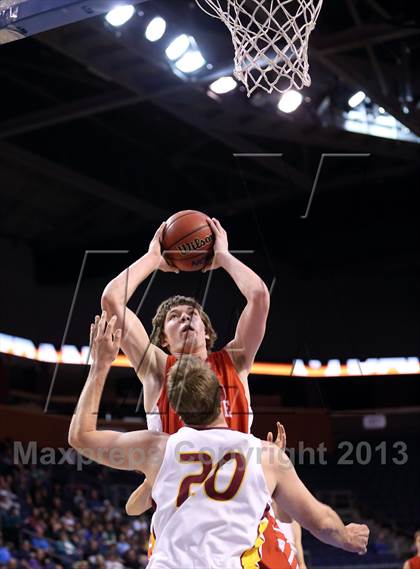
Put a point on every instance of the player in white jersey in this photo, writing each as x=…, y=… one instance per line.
x=211, y=487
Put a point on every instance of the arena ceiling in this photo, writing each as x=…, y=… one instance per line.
x=100, y=140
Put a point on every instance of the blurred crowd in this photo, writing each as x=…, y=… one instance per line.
x=57, y=517
x=50, y=523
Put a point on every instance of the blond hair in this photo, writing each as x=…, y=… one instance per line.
x=194, y=391
x=158, y=322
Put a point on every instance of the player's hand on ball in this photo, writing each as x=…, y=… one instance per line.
x=281, y=437
x=357, y=538
x=220, y=245
x=166, y=267
x=155, y=248
x=155, y=243
x=105, y=340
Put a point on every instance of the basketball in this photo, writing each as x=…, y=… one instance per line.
x=187, y=241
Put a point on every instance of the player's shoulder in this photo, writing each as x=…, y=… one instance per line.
x=153, y=364
x=217, y=354
x=224, y=357
x=157, y=443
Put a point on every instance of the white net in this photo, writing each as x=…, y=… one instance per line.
x=270, y=38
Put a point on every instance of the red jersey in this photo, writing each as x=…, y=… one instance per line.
x=414, y=562
x=235, y=405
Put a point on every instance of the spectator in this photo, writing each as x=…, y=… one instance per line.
x=112, y=561
x=68, y=521
x=5, y=555
x=39, y=541
x=130, y=559
x=81, y=565
x=24, y=552
x=94, y=503
x=64, y=545
x=122, y=545
x=13, y=564
x=96, y=560
x=12, y=523
x=380, y=543
x=7, y=500
x=93, y=549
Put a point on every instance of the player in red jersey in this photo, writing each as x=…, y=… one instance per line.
x=182, y=327
x=414, y=562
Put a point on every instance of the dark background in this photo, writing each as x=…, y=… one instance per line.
x=100, y=141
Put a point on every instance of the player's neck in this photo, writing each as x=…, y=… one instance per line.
x=219, y=422
x=199, y=353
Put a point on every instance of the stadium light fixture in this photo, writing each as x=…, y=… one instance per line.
x=191, y=61
x=223, y=85
x=119, y=15
x=290, y=101
x=356, y=99
x=155, y=29
x=178, y=47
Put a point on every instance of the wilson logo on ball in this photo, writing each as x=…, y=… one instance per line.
x=186, y=248
x=187, y=240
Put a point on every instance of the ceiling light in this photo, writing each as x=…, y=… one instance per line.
x=290, y=101
x=356, y=99
x=120, y=15
x=223, y=85
x=155, y=29
x=191, y=61
x=178, y=47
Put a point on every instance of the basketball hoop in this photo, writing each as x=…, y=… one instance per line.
x=270, y=38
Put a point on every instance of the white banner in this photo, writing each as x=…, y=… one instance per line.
x=71, y=354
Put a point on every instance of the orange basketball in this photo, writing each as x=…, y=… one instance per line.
x=187, y=241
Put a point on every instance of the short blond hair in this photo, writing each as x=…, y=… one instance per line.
x=158, y=322
x=194, y=391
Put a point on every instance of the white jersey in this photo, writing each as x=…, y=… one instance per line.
x=211, y=501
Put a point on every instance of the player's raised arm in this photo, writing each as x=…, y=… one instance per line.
x=148, y=360
x=125, y=451
x=250, y=329
x=292, y=496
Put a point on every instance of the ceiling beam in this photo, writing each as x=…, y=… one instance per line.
x=369, y=49
x=87, y=107
x=327, y=139
x=351, y=74
x=361, y=36
x=232, y=125
x=84, y=52
x=60, y=114
x=82, y=183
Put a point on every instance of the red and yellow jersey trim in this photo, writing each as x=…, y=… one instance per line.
x=250, y=559
x=152, y=542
